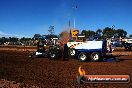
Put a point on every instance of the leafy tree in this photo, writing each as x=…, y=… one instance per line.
x=25, y=39
x=37, y=36
x=84, y=32
x=51, y=36
x=4, y=39
x=10, y=39
x=99, y=33
x=88, y=33
x=108, y=32
x=130, y=35
x=13, y=39
x=51, y=30
x=121, y=33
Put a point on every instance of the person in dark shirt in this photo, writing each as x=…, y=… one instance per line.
x=65, y=52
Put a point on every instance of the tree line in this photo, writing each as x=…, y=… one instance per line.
x=106, y=32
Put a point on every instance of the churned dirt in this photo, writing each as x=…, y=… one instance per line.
x=18, y=70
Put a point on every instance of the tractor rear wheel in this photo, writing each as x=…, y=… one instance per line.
x=52, y=55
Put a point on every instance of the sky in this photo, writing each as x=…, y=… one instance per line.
x=24, y=18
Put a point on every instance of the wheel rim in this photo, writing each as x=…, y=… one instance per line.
x=83, y=57
x=52, y=55
x=96, y=57
x=72, y=52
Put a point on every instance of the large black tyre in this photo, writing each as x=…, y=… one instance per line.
x=52, y=55
x=129, y=48
x=72, y=52
x=82, y=57
x=95, y=56
x=54, y=52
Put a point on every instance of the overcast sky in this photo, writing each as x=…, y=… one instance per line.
x=28, y=17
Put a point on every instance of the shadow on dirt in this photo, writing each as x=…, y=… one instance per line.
x=115, y=58
x=125, y=59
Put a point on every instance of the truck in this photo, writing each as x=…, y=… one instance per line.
x=127, y=43
x=89, y=50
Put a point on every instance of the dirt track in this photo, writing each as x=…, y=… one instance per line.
x=18, y=70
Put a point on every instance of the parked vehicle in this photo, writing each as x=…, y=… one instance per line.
x=127, y=43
